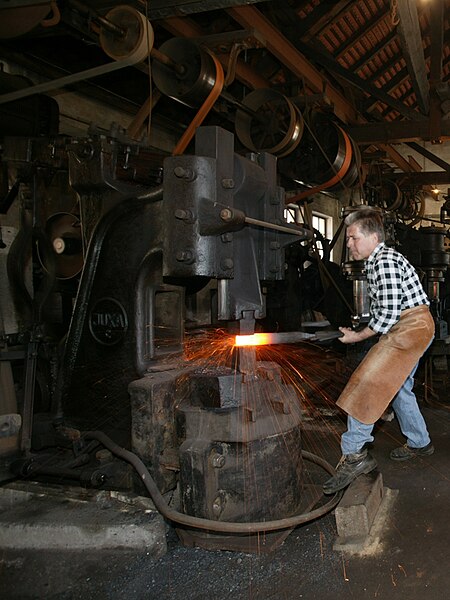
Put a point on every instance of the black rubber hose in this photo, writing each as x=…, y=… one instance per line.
x=200, y=523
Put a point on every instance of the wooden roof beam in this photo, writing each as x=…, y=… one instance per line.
x=315, y=24
x=411, y=41
x=163, y=9
x=359, y=64
x=378, y=18
x=251, y=18
x=398, y=159
x=423, y=178
x=436, y=51
x=327, y=61
x=429, y=155
x=399, y=78
x=395, y=131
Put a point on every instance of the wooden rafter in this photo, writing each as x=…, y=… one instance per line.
x=329, y=63
x=411, y=41
x=249, y=17
x=429, y=155
x=395, y=131
x=317, y=24
x=378, y=18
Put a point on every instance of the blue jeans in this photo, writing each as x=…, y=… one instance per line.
x=411, y=421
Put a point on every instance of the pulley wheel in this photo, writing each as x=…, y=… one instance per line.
x=271, y=123
x=388, y=195
x=195, y=76
x=63, y=232
x=412, y=208
x=326, y=156
x=21, y=19
x=138, y=38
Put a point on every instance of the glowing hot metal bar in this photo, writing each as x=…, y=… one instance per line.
x=287, y=337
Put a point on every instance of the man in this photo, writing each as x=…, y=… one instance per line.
x=399, y=313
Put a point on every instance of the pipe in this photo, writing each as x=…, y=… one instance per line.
x=200, y=523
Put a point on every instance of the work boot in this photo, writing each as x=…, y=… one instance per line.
x=349, y=468
x=406, y=452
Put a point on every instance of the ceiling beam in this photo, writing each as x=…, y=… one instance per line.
x=436, y=52
x=323, y=58
x=423, y=178
x=429, y=155
x=399, y=159
x=437, y=41
x=360, y=34
x=163, y=9
x=401, y=75
x=316, y=24
x=411, y=41
x=359, y=64
x=395, y=131
x=250, y=18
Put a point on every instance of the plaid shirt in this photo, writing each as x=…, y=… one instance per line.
x=393, y=286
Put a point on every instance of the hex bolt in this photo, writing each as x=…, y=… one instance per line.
x=275, y=245
x=217, y=506
x=226, y=237
x=217, y=460
x=184, y=215
x=227, y=184
x=184, y=256
x=227, y=264
x=184, y=173
x=226, y=214
x=104, y=455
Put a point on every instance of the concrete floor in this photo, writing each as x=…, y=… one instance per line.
x=412, y=560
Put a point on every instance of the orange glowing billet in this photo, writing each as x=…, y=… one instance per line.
x=254, y=339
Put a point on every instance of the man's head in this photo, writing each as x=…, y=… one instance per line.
x=364, y=232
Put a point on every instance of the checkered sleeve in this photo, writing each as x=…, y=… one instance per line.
x=393, y=286
x=387, y=301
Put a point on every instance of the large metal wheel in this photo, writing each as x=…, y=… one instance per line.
x=269, y=122
x=63, y=234
x=19, y=20
x=326, y=157
x=193, y=80
x=138, y=39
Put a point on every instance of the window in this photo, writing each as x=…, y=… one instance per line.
x=321, y=223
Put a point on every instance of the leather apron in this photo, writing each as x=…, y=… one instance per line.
x=385, y=368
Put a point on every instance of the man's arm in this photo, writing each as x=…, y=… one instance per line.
x=350, y=336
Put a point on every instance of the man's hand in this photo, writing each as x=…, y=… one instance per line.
x=350, y=336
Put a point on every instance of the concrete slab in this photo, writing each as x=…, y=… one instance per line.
x=370, y=543
x=359, y=505
x=36, y=516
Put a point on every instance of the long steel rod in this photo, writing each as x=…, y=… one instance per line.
x=304, y=233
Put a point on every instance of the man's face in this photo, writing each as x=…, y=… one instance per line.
x=359, y=244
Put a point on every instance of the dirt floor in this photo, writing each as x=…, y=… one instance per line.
x=412, y=560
